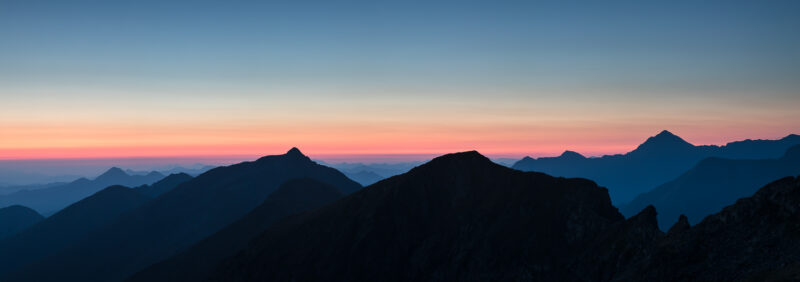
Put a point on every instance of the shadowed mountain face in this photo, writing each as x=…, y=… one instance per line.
x=164, y=185
x=659, y=159
x=177, y=219
x=14, y=219
x=713, y=184
x=754, y=239
x=614, y=250
x=459, y=217
x=462, y=218
x=292, y=197
x=50, y=200
x=69, y=225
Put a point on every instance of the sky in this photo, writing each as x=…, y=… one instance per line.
x=356, y=80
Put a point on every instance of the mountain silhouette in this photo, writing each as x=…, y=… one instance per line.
x=369, y=173
x=14, y=219
x=659, y=159
x=615, y=250
x=462, y=218
x=67, y=226
x=754, y=239
x=713, y=184
x=164, y=185
x=364, y=177
x=177, y=219
x=52, y=199
x=459, y=217
x=195, y=263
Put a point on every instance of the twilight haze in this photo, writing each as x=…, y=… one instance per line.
x=135, y=79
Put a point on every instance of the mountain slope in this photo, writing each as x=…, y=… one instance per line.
x=164, y=185
x=68, y=226
x=293, y=196
x=713, y=184
x=459, y=217
x=364, y=177
x=659, y=159
x=754, y=239
x=177, y=219
x=50, y=200
x=14, y=219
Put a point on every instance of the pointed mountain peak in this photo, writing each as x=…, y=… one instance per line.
x=113, y=172
x=681, y=225
x=294, y=151
x=666, y=133
x=664, y=141
x=665, y=136
x=571, y=155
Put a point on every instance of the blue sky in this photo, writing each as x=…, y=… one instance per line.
x=712, y=70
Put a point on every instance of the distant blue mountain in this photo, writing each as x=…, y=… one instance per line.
x=50, y=200
x=68, y=226
x=176, y=220
x=711, y=185
x=659, y=159
x=369, y=173
x=14, y=219
x=364, y=177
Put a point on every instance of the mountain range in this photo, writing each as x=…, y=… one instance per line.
x=176, y=220
x=457, y=217
x=713, y=184
x=659, y=159
x=49, y=200
x=75, y=222
x=463, y=218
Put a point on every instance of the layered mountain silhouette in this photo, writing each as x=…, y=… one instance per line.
x=177, y=219
x=68, y=226
x=14, y=219
x=50, y=200
x=460, y=217
x=753, y=240
x=369, y=173
x=659, y=159
x=164, y=185
x=194, y=264
x=364, y=177
x=713, y=184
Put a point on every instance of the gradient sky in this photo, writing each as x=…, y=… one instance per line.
x=96, y=79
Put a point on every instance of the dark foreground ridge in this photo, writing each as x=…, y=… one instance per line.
x=458, y=217
x=461, y=217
